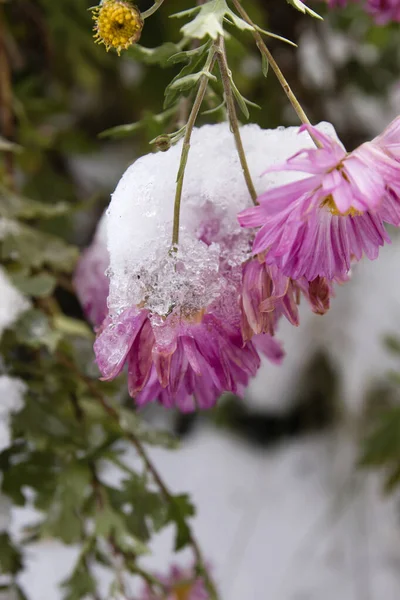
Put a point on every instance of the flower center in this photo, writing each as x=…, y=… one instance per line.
x=118, y=24
x=182, y=591
x=329, y=203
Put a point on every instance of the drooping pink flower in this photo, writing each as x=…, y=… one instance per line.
x=183, y=360
x=384, y=11
x=389, y=142
x=180, y=584
x=314, y=227
x=90, y=281
x=266, y=295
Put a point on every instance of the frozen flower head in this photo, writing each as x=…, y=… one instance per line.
x=179, y=584
x=118, y=24
x=90, y=280
x=175, y=315
x=315, y=226
x=384, y=11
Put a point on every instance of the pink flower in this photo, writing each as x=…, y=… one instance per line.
x=314, y=227
x=90, y=281
x=384, y=11
x=266, y=295
x=180, y=584
x=389, y=142
x=183, y=360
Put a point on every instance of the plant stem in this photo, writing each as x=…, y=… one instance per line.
x=281, y=78
x=152, y=9
x=186, y=143
x=6, y=113
x=168, y=497
x=230, y=104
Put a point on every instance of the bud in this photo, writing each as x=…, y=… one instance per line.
x=162, y=142
x=118, y=24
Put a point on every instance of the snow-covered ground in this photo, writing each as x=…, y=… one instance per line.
x=295, y=523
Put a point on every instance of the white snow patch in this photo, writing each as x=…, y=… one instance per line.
x=11, y=401
x=292, y=523
x=12, y=302
x=140, y=214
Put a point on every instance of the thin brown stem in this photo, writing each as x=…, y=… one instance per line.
x=168, y=496
x=6, y=113
x=186, y=144
x=233, y=120
x=281, y=78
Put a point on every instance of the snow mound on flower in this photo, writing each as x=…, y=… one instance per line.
x=12, y=303
x=140, y=215
x=11, y=401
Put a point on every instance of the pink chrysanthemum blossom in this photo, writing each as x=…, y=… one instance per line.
x=267, y=295
x=180, y=584
x=183, y=360
x=389, y=141
x=384, y=11
x=90, y=281
x=314, y=227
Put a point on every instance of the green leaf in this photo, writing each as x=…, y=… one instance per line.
x=264, y=65
x=155, y=56
x=34, y=248
x=149, y=119
x=33, y=329
x=209, y=20
x=179, y=510
x=64, y=514
x=147, y=509
x=73, y=327
x=131, y=422
x=38, y=286
x=392, y=343
x=111, y=524
x=10, y=557
x=13, y=205
x=196, y=63
x=81, y=584
x=304, y=8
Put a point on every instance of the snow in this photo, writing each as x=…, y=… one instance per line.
x=140, y=215
x=11, y=401
x=293, y=523
x=12, y=302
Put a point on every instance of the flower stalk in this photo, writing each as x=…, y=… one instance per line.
x=152, y=9
x=265, y=52
x=233, y=120
x=208, y=67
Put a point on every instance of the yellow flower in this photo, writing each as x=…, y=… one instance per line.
x=118, y=24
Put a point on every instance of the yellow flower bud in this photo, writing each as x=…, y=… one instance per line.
x=118, y=24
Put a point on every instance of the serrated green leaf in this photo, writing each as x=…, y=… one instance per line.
x=81, y=584
x=179, y=510
x=209, y=20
